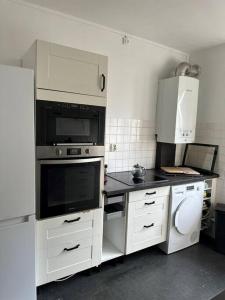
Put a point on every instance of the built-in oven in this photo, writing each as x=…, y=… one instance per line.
x=69, y=185
x=59, y=123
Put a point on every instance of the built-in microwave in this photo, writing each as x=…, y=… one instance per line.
x=59, y=123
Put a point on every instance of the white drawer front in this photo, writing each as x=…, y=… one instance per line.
x=148, y=234
x=149, y=194
x=69, y=259
x=56, y=246
x=150, y=205
x=68, y=224
x=148, y=222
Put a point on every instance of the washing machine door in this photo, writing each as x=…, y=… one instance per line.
x=188, y=214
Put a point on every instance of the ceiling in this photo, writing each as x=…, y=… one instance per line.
x=186, y=25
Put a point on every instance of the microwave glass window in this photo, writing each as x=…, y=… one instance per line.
x=66, y=123
x=72, y=127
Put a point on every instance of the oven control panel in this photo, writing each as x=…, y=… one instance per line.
x=44, y=152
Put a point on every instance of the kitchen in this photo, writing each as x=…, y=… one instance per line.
x=130, y=68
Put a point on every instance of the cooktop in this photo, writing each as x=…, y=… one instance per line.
x=128, y=179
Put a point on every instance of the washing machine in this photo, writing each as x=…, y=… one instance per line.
x=184, y=219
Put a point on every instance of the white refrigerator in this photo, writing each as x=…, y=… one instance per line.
x=17, y=184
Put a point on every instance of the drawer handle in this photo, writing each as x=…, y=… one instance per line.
x=149, y=203
x=71, y=221
x=148, y=226
x=148, y=194
x=73, y=248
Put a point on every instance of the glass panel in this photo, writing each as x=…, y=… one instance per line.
x=72, y=127
x=200, y=156
x=69, y=187
x=70, y=184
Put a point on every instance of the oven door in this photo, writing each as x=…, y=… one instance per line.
x=67, y=186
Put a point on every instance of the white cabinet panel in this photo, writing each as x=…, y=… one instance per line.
x=17, y=259
x=68, y=71
x=149, y=194
x=17, y=154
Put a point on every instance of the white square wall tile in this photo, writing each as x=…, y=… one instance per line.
x=134, y=123
x=133, y=131
x=113, y=122
x=113, y=130
x=120, y=139
x=121, y=122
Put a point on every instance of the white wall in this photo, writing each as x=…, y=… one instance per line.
x=211, y=109
x=134, y=69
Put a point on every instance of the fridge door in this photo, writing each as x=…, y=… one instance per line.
x=17, y=259
x=17, y=151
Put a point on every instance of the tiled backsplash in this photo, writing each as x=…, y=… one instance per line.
x=135, y=143
x=214, y=133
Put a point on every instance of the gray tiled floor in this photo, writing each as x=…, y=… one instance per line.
x=196, y=273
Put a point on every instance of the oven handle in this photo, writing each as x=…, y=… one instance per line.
x=69, y=161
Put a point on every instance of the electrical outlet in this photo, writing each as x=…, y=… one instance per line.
x=112, y=147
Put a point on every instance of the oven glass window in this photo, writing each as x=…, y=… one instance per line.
x=72, y=127
x=69, y=188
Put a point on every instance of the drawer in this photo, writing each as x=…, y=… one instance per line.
x=67, y=259
x=150, y=205
x=56, y=246
x=68, y=224
x=147, y=234
x=149, y=194
x=148, y=222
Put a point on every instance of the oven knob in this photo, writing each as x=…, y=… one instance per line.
x=58, y=152
x=87, y=151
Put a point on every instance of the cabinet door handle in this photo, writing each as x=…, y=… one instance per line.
x=148, y=226
x=103, y=83
x=71, y=221
x=73, y=248
x=149, y=203
x=152, y=193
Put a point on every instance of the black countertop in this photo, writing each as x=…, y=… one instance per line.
x=114, y=187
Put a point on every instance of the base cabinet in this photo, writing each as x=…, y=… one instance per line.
x=147, y=218
x=68, y=244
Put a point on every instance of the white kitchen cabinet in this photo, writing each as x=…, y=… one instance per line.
x=147, y=218
x=177, y=109
x=68, y=244
x=67, y=74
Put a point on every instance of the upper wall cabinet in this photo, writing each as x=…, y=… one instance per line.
x=68, y=74
x=177, y=109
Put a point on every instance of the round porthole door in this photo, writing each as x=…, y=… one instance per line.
x=188, y=214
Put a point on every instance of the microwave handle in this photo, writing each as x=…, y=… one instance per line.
x=69, y=161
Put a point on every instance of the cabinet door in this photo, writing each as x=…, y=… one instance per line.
x=70, y=70
x=17, y=251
